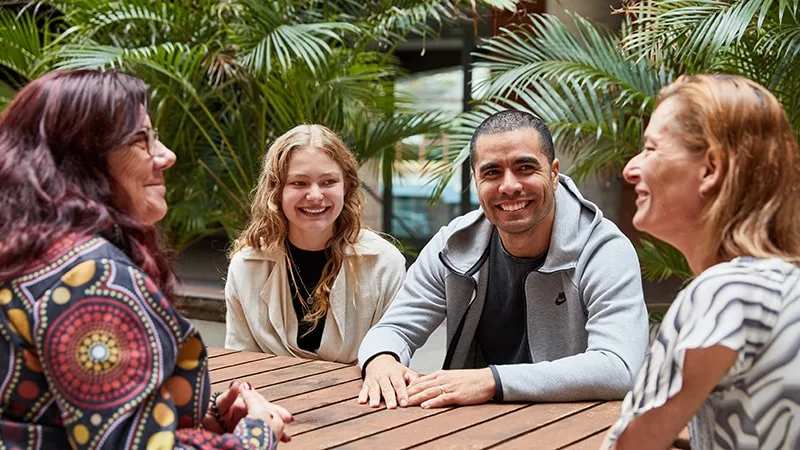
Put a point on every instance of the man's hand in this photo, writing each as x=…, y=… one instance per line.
x=452, y=387
x=387, y=378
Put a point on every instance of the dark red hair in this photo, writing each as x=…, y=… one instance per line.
x=55, y=138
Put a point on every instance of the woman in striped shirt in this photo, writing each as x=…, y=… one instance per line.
x=717, y=179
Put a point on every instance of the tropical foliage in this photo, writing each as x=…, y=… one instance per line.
x=596, y=88
x=228, y=76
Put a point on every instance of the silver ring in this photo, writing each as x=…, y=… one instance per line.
x=441, y=388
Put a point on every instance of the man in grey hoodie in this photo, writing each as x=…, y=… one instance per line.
x=542, y=295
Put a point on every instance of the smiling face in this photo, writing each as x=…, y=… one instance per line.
x=139, y=177
x=668, y=179
x=312, y=198
x=516, y=185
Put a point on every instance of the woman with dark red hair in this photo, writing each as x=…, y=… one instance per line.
x=92, y=351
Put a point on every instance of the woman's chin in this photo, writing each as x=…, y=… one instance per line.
x=152, y=215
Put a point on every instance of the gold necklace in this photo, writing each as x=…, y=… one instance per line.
x=309, y=299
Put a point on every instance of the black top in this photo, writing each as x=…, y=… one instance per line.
x=307, y=266
x=502, y=333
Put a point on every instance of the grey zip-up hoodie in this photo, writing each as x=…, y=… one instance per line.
x=587, y=322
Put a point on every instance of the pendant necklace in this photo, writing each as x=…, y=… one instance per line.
x=309, y=299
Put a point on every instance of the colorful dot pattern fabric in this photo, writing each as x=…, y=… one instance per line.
x=92, y=355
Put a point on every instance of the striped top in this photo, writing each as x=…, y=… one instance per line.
x=751, y=306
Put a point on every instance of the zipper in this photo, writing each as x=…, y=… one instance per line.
x=469, y=274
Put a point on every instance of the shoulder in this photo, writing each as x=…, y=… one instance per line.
x=372, y=244
x=104, y=278
x=72, y=266
x=92, y=257
x=762, y=277
x=250, y=268
x=607, y=247
x=746, y=287
x=604, y=230
x=250, y=255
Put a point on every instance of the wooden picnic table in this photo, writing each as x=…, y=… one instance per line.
x=322, y=397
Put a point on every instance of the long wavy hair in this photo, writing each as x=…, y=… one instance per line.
x=268, y=226
x=55, y=139
x=755, y=208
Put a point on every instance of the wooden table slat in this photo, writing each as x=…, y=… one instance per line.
x=508, y=426
x=279, y=392
x=568, y=430
x=282, y=370
x=250, y=370
x=588, y=443
x=364, y=425
x=343, y=411
x=422, y=431
x=323, y=399
x=234, y=359
x=213, y=352
x=329, y=415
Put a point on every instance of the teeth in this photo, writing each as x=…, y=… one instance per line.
x=513, y=206
x=313, y=211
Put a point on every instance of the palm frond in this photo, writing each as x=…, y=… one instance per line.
x=395, y=20
x=268, y=41
x=594, y=96
x=370, y=138
x=24, y=42
x=660, y=261
x=700, y=31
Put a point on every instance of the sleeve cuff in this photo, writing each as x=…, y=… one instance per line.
x=366, y=363
x=498, y=385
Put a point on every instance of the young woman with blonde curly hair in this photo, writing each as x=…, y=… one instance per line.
x=305, y=278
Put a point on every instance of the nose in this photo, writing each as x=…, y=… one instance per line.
x=314, y=193
x=631, y=170
x=164, y=157
x=510, y=185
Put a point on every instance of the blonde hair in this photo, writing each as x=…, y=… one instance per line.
x=754, y=209
x=268, y=226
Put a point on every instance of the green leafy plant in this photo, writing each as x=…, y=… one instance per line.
x=228, y=77
x=596, y=88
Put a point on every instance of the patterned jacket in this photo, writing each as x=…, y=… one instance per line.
x=92, y=354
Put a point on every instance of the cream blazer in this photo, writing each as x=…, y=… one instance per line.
x=260, y=315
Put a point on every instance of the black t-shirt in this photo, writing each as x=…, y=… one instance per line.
x=307, y=268
x=502, y=333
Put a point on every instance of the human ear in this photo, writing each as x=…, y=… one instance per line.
x=554, y=173
x=711, y=172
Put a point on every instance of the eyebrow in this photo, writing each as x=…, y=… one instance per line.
x=521, y=160
x=303, y=175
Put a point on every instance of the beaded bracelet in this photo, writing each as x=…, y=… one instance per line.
x=215, y=411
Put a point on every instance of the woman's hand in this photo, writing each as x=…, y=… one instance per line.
x=259, y=408
x=231, y=408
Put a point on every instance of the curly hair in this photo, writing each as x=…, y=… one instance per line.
x=55, y=139
x=268, y=226
x=754, y=210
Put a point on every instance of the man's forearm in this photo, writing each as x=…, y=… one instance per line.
x=594, y=375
